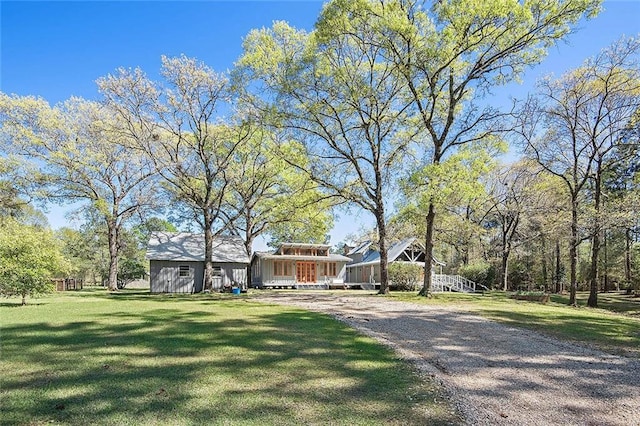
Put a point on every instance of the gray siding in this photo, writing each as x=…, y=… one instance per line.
x=233, y=274
x=256, y=272
x=263, y=274
x=165, y=276
x=362, y=274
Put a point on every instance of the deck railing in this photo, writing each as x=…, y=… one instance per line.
x=442, y=283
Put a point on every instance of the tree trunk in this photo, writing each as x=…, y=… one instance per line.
x=545, y=273
x=24, y=299
x=112, y=231
x=248, y=245
x=428, y=244
x=207, y=280
x=465, y=248
x=592, y=302
x=627, y=259
x=573, y=251
x=558, y=277
x=382, y=241
x=605, y=250
x=505, y=269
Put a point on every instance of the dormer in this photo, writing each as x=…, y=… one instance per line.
x=359, y=252
x=295, y=249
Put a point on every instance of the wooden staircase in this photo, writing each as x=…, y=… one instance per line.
x=312, y=286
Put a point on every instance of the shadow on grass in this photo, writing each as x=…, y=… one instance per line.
x=616, y=334
x=18, y=304
x=619, y=302
x=173, y=366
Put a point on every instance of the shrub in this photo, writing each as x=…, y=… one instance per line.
x=479, y=272
x=405, y=276
x=129, y=270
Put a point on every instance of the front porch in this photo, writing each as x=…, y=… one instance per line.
x=327, y=283
x=440, y=283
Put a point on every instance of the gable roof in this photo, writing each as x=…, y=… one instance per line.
x=187, y=247
x=331, y=257
x=360, y=249
x=392, y=254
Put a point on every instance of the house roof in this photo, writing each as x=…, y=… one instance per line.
x=184, y=246
x=360, y=249
x=332, y=257
x=302, y=245
x=394, y=251
x=277, y=254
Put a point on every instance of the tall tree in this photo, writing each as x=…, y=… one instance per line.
x=451, y=53
x=180, y=126
x=623, y=189
x=573, y=127
x=81, y=155
x=450, y=185
x=268, y=196
x=614, y=100
x=333, y=91
x=513, y=201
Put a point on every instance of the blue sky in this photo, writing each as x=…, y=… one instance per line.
x=58, y=49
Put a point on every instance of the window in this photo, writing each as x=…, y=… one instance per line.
x=330, y=269
x=217, y=271
x=282, y=269
x=184, y=271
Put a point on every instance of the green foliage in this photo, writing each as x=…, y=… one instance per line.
x=405, y=276
x=456, y=187
x=29, y=258
x=335, y=93
x=130, y=269
x=270, y=196
x=142, y=232
x=479, y=272
x=79, y=150
x=456, y=180
x=132, y=263
x=315, y=230
x=83, y=248
x=179, y=125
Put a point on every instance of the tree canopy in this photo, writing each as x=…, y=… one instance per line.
x=30, y=257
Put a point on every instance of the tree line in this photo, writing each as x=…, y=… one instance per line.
x=382, y=106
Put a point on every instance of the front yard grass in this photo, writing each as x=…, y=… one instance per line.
x=609, y=331
x=138, y=359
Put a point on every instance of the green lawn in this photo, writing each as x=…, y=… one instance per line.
x=610, y=331
x=613, y=301
x=133, y=358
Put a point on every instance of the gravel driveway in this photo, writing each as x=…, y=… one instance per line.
x=495, y=374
